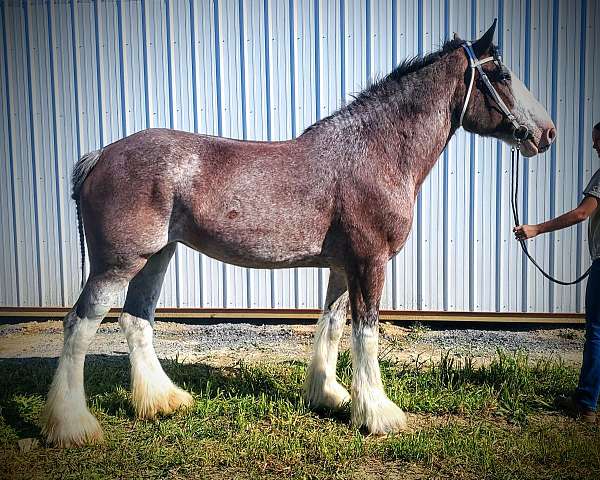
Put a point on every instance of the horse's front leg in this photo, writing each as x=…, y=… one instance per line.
x=371, y=408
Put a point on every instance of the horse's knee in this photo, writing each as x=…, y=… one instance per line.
x=99, y=295
x=336, y=317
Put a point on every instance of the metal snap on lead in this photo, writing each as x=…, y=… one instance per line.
x=521, y=133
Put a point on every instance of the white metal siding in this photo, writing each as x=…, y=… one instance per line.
x=78, y=75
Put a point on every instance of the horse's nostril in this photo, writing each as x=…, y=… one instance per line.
x=548, y=137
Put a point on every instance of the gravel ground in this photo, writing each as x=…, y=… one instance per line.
x=228, y=343
x=549, y=342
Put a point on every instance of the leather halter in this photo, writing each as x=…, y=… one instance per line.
x=520, y=132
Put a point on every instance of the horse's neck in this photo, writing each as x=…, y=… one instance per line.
x=403, y=132
x=424, y=126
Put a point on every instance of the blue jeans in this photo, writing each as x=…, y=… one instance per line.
x=589, y=378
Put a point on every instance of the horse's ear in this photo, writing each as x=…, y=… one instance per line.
x=455, y=36
x=484, y=43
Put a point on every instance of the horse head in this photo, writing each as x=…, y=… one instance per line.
x=496, y=103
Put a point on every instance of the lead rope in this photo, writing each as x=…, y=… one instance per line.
x=514, y=185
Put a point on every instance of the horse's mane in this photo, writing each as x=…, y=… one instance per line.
x=388, y=84
x=417, y=62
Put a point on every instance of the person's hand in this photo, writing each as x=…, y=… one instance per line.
x=523, y=232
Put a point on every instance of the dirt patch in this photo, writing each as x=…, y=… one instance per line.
x=374, y=468
x=228, y=343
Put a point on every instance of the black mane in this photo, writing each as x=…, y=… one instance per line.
x=406, y=67
x=411, y=65
x=387, y=85
x=416, y=63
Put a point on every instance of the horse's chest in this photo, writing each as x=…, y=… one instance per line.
x=398, y=212
x=397, y=232
x=387, y=219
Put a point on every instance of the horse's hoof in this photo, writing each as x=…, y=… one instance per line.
x=378, y=414
x=164, y=401
x=327, y=395
x=72, y=431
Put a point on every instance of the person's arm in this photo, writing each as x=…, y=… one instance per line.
x=581, y=213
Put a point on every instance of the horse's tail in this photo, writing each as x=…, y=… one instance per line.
x=80, y=172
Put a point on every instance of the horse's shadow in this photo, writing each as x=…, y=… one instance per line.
x=24, y=384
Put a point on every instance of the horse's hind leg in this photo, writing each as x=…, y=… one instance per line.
x=66, y=419
x=152, y=391
x=321, y=388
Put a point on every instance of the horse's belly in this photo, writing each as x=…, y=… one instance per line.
x=256, y=246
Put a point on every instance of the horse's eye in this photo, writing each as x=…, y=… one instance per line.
x=502, y=75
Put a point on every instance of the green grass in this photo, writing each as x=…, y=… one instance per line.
x=481, y=422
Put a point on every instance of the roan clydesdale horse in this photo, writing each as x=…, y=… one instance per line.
x=341, y=195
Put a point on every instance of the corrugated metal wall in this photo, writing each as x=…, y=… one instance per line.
x=78, y=75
